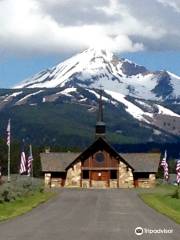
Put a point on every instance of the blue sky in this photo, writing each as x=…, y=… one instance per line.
x=37, y=34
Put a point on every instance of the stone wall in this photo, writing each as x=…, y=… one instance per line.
x=125, y=176
x=73, y=177
x=113, y=183
x=143, y=183
x=85, y=183
x=49, y=181
x=99, y=184
x=56, y=182
x=147, y=182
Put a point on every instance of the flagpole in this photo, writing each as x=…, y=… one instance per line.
x=32, y=173
x=9, y=154
x=9, y=163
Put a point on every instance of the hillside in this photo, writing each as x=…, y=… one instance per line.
x=71, y=124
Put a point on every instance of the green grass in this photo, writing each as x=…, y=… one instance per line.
x=161, y=200
x=18, y=207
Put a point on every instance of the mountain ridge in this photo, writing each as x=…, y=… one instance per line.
x=138, y=100
x=94, y=67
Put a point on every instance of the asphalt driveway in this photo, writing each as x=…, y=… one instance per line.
x=90, y=214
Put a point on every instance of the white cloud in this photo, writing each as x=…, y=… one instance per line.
x=175, y=4
x=53, y=26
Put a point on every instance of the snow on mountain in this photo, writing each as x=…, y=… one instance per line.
x=28, y=96
x=175, y=81
x=89, y=62
x=151, y=114
x=13, y=95
x=16, y=94
x=141, y=93
x=98, y=95
x=131, y=108
x=96, y=66
x=67, y=91
x=165, y=111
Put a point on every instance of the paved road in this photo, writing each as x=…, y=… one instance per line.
x=89, y=215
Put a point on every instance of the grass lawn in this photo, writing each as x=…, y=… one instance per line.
x=18, y=207
x=161, y=200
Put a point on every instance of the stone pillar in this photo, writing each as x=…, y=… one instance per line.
x=152, y=180
x=125, y=176
x=74, y=176
x=47, y=179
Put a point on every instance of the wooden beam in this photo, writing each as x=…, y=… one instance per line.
x=118, y=178
x=90, y=183
x=81, y=176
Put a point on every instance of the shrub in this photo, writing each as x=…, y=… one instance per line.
x=8, y=195
x=176, y=194
x=19, y=187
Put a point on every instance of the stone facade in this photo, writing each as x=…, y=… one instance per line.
x=147, y=182
x=56, y=182
x=152, y=178
x=125, y=176
x=73, y=177
x=125, y=179
x=47, y=179
x=113, y=183
x=98, y=184
x=85, y=183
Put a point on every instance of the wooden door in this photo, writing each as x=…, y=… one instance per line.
x=136, y=184
x=99, y=179
x=100, y=175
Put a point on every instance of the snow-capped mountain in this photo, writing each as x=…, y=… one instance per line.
x=93, y=68
x=142, y=100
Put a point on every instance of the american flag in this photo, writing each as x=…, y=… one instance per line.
x=8, y=141
x=23, y=161
x=164, y=164
x=178, y=171
x=30, y=160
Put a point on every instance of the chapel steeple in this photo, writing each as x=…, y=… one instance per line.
x=100, y=125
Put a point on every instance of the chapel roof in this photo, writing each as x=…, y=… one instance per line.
x=57, y=162
x=140, y=162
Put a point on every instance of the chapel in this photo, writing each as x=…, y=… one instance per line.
x=99, y=165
